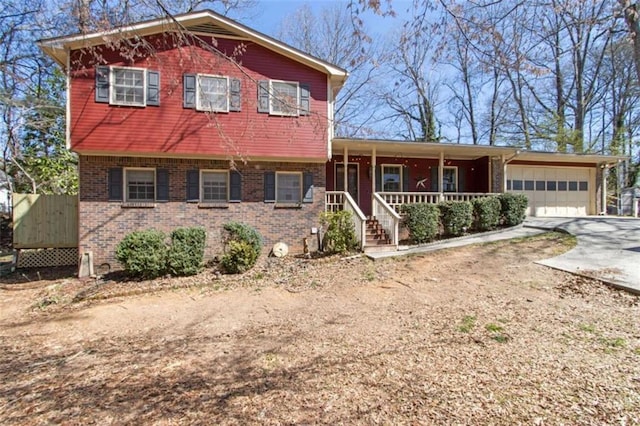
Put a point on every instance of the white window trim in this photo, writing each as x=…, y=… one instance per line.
x=272, y=96
x=126, y=184
x=398, y=166
x=455, y=169
x=300, y=195
x=112, y=88
x=199, y=106
x=228, y=187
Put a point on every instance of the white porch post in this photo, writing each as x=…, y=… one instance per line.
x=345, y=162
x=504, y=174
x=604, y=169
x=441, y=176
x=373, y=178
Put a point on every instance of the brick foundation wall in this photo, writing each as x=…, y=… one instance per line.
x=103, y=223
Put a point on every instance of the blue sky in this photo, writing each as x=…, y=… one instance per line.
x=269, y=14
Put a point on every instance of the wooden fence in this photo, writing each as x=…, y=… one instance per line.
x=45, y=221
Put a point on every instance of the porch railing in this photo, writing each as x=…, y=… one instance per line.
x=339, y=200
x=465, y=196
x=334, y=201
x=387, y=217
x=397, y=199
x=358, y=218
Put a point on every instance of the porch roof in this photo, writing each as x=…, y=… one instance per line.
x=407, y=149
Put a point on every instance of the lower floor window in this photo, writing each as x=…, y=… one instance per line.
x=140, y=185
x=450, y=179
x=214, y=186
x=391, y=178
x=288, y=187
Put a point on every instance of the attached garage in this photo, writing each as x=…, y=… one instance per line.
x=554, y=191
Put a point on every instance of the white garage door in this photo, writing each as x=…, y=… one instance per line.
x=553, y=191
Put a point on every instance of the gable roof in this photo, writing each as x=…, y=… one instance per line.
x=202, y=22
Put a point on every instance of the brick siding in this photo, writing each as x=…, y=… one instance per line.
x=104, y=223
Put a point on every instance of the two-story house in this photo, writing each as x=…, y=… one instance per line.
x=199, y=120
x=196, y=121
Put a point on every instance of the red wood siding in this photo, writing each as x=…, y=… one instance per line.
x=172, y=129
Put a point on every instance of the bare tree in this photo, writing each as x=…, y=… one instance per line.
x=328, y=35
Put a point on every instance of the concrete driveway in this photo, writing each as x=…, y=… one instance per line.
x=608, y=248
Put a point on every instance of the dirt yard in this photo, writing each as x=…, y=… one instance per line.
x=478, y=335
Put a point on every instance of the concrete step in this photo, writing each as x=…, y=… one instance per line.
x=379, y=248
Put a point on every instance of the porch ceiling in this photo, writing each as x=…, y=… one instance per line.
x=387, y=148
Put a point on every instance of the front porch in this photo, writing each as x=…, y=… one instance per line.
x=374, y=179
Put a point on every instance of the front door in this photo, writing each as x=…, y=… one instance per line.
x=352, y=179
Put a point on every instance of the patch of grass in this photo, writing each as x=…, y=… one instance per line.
x=637, y=350
x=369, y=275
x=614, y=342
x=500, y=338
x=259, y=275
x=589, y=328
x=494, y=328
x=468, y=324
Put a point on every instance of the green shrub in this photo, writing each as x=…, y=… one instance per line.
x=456, y=217
x=143, y=254
x=240, y=256
x=422, y=220
x=237, y=231
x=486, y=213
x=514, y=207
x=243, y=245
x=340, y=235
x=186, y=255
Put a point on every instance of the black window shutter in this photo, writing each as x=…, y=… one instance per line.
x=269, y=186
x=115, y=184
x=461, y=187
x=305, y=99
x=405, y=178
x=379, y=187
x=307, y=181
x=162, y=185
x=189, y=90
x=235, y=186
x=263, y=96
x=153, y=88
x=102, y=84
x=193, y=185
x=434, y=179
x=235, y=101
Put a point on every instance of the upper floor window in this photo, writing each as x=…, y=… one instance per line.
x=140, y=185
x=212, y=93
x=127, y=86
x=286, y=98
